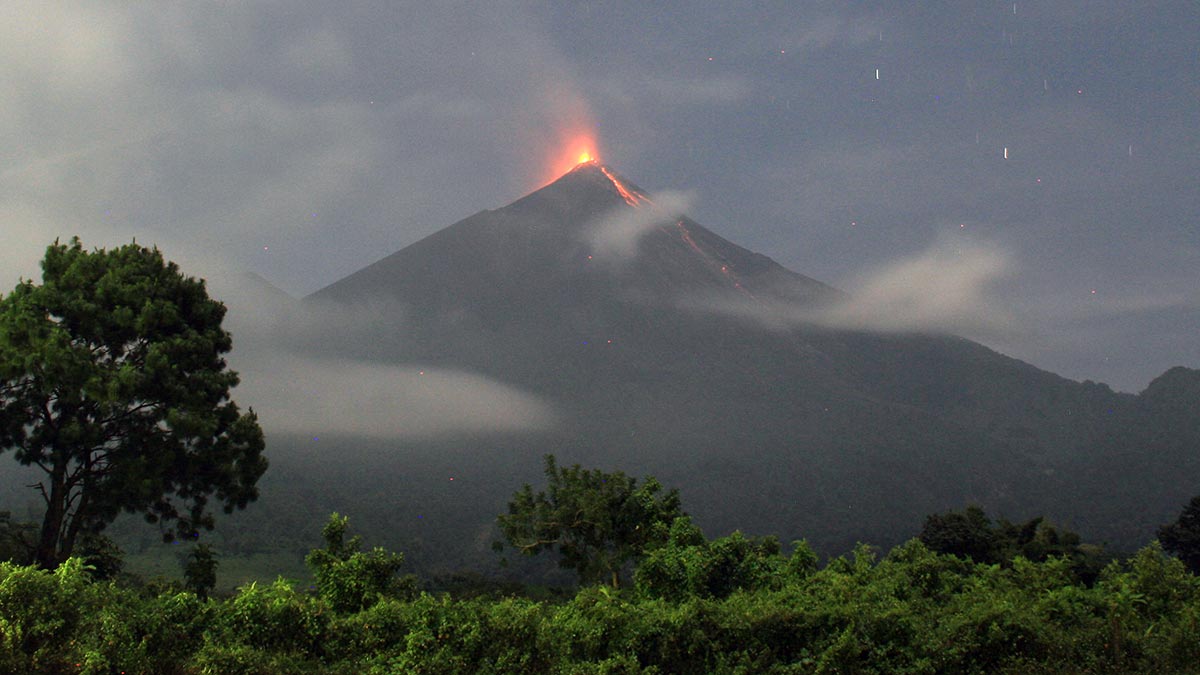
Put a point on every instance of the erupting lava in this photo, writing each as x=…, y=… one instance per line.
x=578, y=148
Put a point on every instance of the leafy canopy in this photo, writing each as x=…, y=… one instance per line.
x=598, y=521
x=113, y=384
x=1182, y=537
x=690, y=566
x=971, y=534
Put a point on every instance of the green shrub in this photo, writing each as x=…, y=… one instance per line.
x=689, y=566
x=272, y=618
x=351, y=580
x=376, y=630
x=239, y=659
x=40, y=616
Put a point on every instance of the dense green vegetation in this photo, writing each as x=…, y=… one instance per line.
x=730, y=605
x=979, y=597
x=970, y=533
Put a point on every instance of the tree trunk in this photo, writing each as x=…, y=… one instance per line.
x=66, y=545
x=47, y=555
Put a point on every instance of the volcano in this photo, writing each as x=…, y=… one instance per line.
x=582, y=257
x=630, y=320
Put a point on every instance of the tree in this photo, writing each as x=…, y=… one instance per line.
x=112, y=383
x=200, y=570
x=971, y=534
x=598, y=521
x=968, y=534
x=350, y=579
x=1182, y=537
x=101, y=556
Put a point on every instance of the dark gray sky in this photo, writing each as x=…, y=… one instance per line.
x=863, y=144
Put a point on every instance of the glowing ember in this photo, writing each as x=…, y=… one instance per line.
x=585, y=157
x=725, y=271
x=687, y=238
x=631, y=198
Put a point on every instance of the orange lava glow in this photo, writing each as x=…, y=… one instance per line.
x=575, y=149
x=728, y=273
x=631, y=198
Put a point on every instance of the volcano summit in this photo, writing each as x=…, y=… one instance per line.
x=630, y=321
x=591, y=236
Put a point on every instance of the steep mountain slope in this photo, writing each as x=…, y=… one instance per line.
x=630, y=319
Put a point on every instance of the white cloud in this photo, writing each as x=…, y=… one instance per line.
x=824, y=31
x=281, y=349
x=62, y=49
x=618, y=232
x=944, y=289
x=314, y=396
x=321, y=51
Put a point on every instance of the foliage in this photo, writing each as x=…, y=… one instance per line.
x=688, y=565
x=912, y=611
x=101, y=555
x=200, y=570
x=18, y=541
x=112, y=383
x=351, y=580
x=1182, y=537
x=971, y=534
x=968, y=533
x=37, y=614
x=272, y=617
x=598, y=521
x=729, y=606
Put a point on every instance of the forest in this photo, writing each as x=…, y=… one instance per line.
x=726, y=605
x=654, y=595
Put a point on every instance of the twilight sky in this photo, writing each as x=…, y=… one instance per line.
x=1031, y=168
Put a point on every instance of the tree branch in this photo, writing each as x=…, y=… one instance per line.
x=42, y=489
x=526, y=548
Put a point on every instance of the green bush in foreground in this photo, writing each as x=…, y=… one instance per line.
x=350, y=579
x=727, y=606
